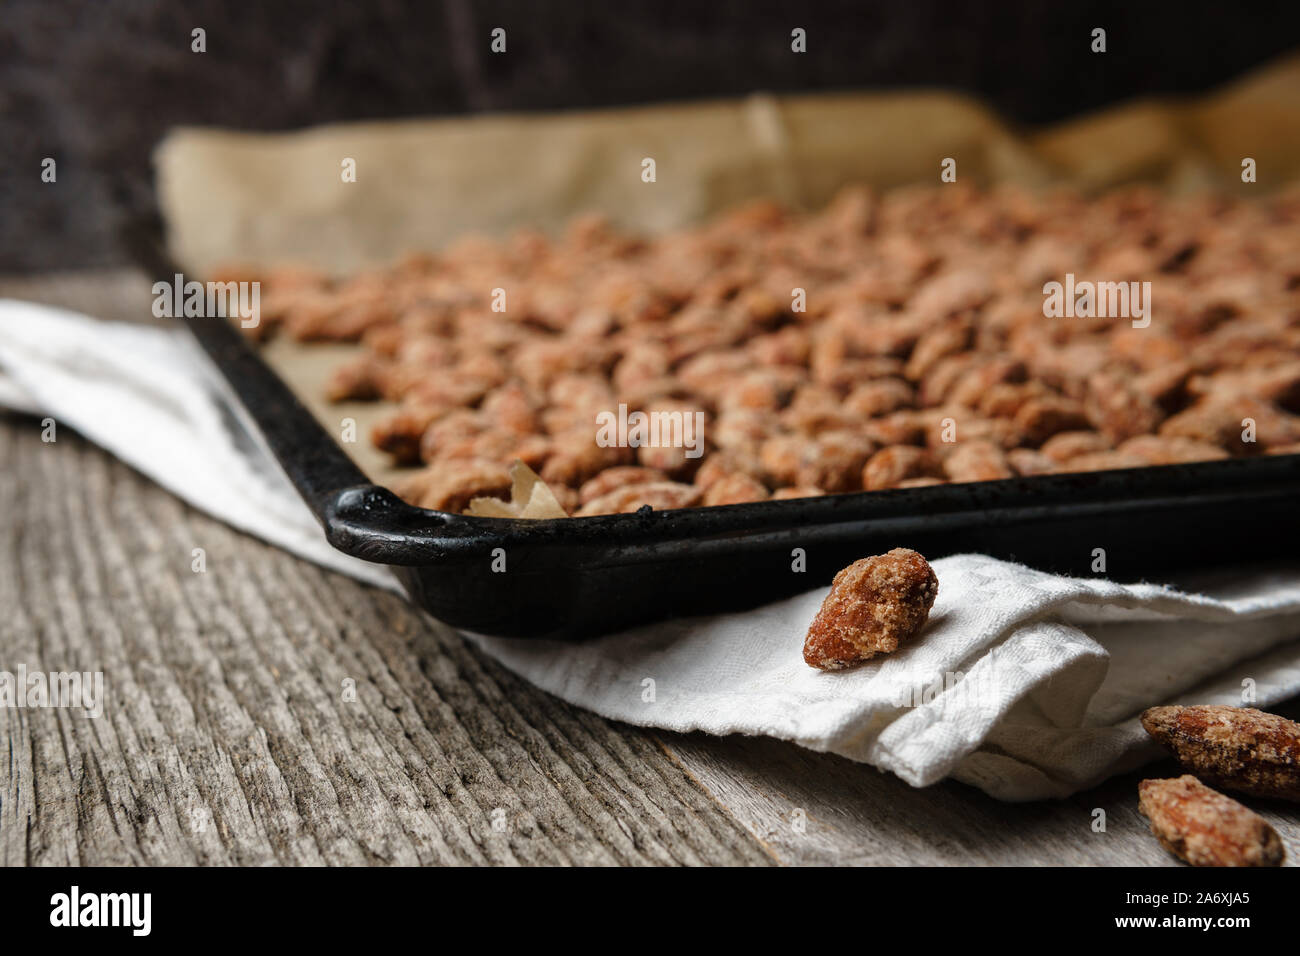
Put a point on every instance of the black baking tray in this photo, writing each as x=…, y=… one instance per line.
x=575, y=577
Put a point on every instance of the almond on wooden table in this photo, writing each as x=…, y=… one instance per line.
x=1237, y=748
x=874, y=605
x=1206, y=828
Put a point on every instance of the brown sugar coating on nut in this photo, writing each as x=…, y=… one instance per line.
x=659, y=495
x=1228, y=420
x=1119, y=410
x=873, y=399
x=734, y=489
x=359, y=380
x=510, y=407
x=1066, y=446
x=874, y=605
x=1206, y=828
x=1006, y=399
x=1039, y=419
x=577, y=459
x=1237, y=748
x=977, y=460
x=401, y=432
x=1027, y=462
x=449, y=486
x=834, y=460
x=890, y=466
x=620, y=477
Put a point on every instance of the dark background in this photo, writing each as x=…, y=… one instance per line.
x=94, y=84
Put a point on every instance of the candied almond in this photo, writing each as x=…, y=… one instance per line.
x=734, y=489
x=741, y=428
x=897, y=463
x=1166, y=385
x=1027, y=462
x=659, y=495
x=948, y=428
x=358, y=380
x=1119, y=410
x=781, y=456
x=509, y=407
x=788, y=346
x=946, y=294
x=1223, y=421
x=833, y=461
x=400, y=432
x=1042, y=418
x=450, y=485
x=619, y=477
x=873, y=399
x=949, y=338
x=976, y=460
x=1206, y=828
x=453, y=430
x=1065, y=446
x=874, y=605
x=905, y=427
x=577, y=458
x=943, y=377
x=1005, y=399
x=1237, y=748
x=974, y=383
x=1279, y=384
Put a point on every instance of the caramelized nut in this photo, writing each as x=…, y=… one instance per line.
x=873, y=606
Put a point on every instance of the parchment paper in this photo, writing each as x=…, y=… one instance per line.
x=267, y=198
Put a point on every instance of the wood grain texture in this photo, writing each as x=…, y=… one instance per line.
x=855, y=815
x=226, y=738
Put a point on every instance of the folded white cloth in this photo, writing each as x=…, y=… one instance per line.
x=1026, y=685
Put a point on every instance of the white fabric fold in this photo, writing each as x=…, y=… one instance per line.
x=151, y=397
x=1024, y=684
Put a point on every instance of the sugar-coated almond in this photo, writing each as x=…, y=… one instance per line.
x=873, y=606
x=1205, y=828
x=1237, y=748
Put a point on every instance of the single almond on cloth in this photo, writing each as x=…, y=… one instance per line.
x=875, y=604
x=1205, y=828
x=1237, y=748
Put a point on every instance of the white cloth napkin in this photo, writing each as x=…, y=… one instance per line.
x=1026, y=685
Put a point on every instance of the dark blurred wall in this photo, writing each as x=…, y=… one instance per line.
x=95, y=84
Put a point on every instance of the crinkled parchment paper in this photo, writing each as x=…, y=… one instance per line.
x=264, y=198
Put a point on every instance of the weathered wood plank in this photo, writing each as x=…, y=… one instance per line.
x=854, y=814
x=226, y=737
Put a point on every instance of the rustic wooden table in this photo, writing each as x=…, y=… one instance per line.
x=226, y=739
